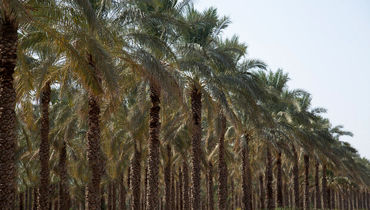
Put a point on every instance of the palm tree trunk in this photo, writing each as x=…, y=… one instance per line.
x=286, y=195
x=222, y=167
x=122, y=193
x=210, y=186
x=64, y=200
x=317, y=187
x=296, y=179
x=262, y=192
x=324, y=188
x=167, y=179
x=173, y=198
x=231, y=202
x=35, y=198
x=8, y=58
x=44, y=148
x=180, y=190
x=21, y=199
x=114, y=194
x=94, y=155
x=196, y=107
x=110, y=198
x=135, y=180
x=129, y=187
x=102, y=198
x=145, y=193
x=29, y=198
x=268, y=176
x=153, y=162
x=177, y=195
x=247, y=178
x=186, y=185
x=306, y=204
x=329, y=197
x=279, y=182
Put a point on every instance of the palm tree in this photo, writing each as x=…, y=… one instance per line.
x=279, y=182
x=247, y=178
x=222, y=173
x=8, y=57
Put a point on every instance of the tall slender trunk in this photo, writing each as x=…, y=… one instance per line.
x=247, y=178
x=196, y=107
x=145, y=197
x=317, y=187
x=262, y=192
x=210, y=186
x=177, y=195
x=268, y=176
x=21, y=199
x=329, y=197
x=324, y=188
x=173, y=198
x=102, y=198
x=231, y=202
x=186, y=185
x=153, y=162
x=64, y=200
x=29, y=198
x=109, y=196
x=129, y=187
x=306, y=204
x=286, y=195
x=279, y=182
x=94, y=155
x=167, y=179
x=122, y=194
x=8, y=58
x=44, y=148
x=180, y=190
x=114, y=194
x=296, y=179
x=35, y=198
x=135, y=179
x=222, y=168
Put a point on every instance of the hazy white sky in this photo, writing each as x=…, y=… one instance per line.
x=324, y=45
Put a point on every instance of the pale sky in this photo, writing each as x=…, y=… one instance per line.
x=324, y=45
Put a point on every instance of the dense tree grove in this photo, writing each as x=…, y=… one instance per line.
x=143, y=104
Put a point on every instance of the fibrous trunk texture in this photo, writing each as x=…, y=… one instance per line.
x=93, y=155
x=262, y=192
x=295, y=178
x=196, y=107
x=247, y=178
x=64, y=199
x=153, y=162
x=167, y=179
x=268, y=176
x=122, y=194
x=210, y=186
x=44, y=148
x=135, y=180
x=306, y=204
x=181, y=202
x=8, y=58
x=279, y=182
x=324, y=190
x=173, y=198
x=222, y=168
x=21, y=199
x=35, y=198
x=317, y=187
x=186, y=185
